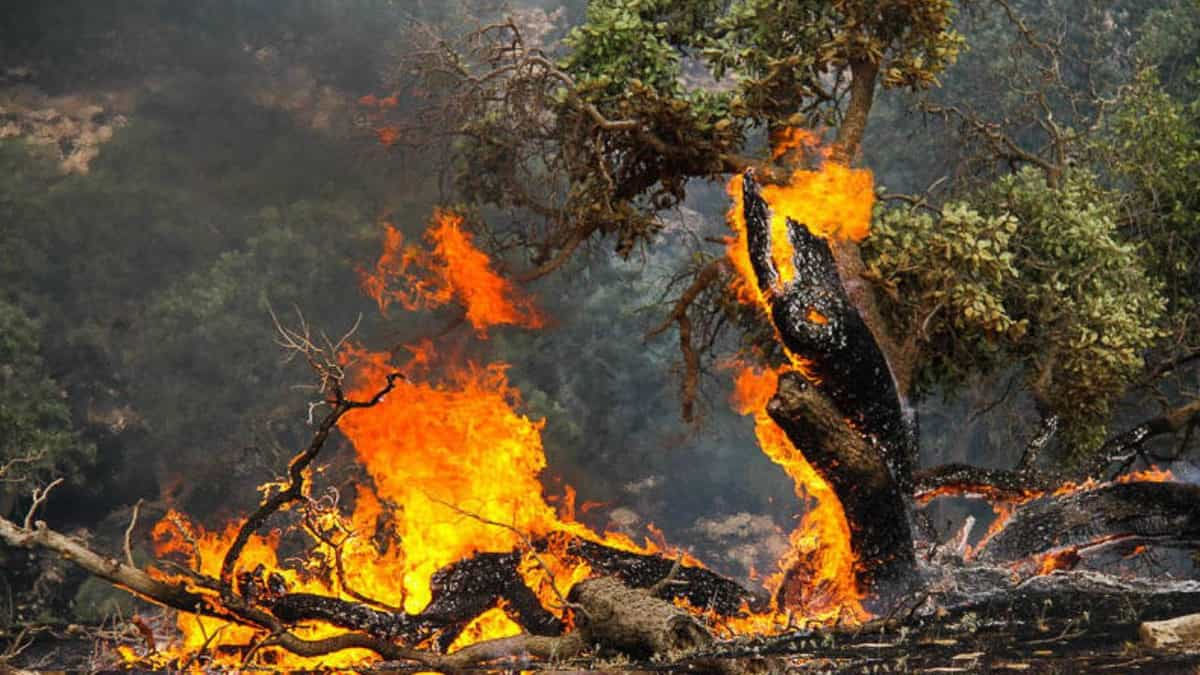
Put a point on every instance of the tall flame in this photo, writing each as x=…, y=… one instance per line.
x=821, y=544
x=459, y=442
x=833, y=200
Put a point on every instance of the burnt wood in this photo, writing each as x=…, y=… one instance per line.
x=850, y=424
x=817, y=321
x=1165, y=511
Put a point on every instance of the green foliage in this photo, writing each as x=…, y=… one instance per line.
x=646, y=95
x=622, y=42
x=780, y=51
x=35, y=420
x=1152, y=152
x=1169, y=41
x=1025, y=273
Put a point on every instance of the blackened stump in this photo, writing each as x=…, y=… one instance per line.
x=850, y=426
x=816, y=320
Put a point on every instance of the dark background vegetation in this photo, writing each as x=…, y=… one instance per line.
x=136, y=345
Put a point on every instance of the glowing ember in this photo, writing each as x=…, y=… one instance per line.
x=454, y=270
x=1063, y=559
x=1004, y=503
x=388, y=136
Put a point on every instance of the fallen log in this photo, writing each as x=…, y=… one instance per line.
x=465, y=589
x=634, y=622
x=1164, y=511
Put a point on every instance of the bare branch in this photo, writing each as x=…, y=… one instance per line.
x=129, y=533
x=39, y=498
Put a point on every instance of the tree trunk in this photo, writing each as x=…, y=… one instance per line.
x=879, y=531
x=851, y=426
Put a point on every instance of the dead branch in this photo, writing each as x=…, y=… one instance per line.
x=323, y=361
x=39, y=498
x=340, y=568
x=15, y=462
x=1126, y=447
x=128, y=547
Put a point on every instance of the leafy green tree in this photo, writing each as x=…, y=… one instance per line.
x=37, y=441
x=601, y=134
x=1024, y=274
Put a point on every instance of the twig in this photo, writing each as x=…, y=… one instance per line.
x=208, y=639
x=39, y=498
x=669, y=579
x=129, y=533
x=15, y=461
x=296, y=471
x=258, y=644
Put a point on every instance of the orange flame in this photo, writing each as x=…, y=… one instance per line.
x=821, y=544
x=834, y=201
x=429, y=446
x=1063, y=559
x=455, y=269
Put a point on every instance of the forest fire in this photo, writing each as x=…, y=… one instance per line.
x=455, y=468
x=455, y=476
x=455, y=472
x=192, y=480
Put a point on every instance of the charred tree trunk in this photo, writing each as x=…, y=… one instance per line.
x=879, y=530
x=817, y=322
x=850, y=423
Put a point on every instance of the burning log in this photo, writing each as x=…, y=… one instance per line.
x=466, y=589
x=1155, y=511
